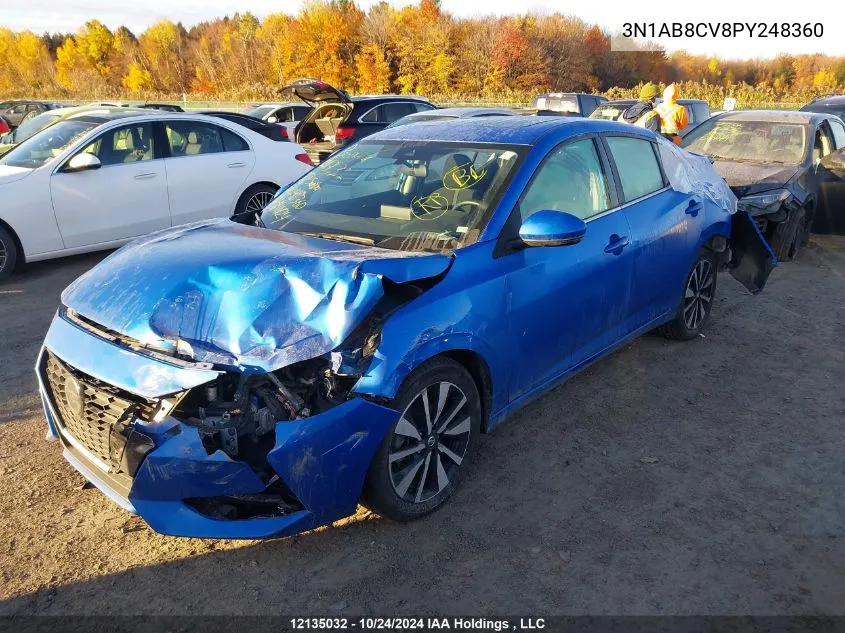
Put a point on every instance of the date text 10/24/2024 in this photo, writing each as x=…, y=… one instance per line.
x=416, y=624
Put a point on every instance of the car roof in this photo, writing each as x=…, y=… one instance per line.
x=280, y=104
x=566, y=94
x=510, y=130
x=460, y=112
x=364, y=98
x=829, y=100
x=773, y=116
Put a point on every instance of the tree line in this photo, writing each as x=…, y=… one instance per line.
x=417, y=49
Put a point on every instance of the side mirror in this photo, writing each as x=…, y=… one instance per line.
x=82, y=162
x=552, y=228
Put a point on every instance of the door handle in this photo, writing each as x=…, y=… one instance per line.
x=235, y=165
x=693, y=207
x=617, y=243
x=146, y=176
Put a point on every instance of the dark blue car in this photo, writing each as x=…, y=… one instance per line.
x=228, y=380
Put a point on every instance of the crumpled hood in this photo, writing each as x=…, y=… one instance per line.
x=747, y=178
x=12, y=174
x=242, y=296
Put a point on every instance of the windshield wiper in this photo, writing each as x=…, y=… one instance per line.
x=340, y=237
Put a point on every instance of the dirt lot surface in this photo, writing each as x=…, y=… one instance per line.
x=670, y=478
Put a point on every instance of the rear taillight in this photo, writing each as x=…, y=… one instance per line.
x=283, y=133
x=304, y=158
x=344, y=133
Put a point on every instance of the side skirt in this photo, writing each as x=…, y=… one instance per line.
x=505, y=412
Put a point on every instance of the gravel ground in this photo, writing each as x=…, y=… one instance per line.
x=670, y=478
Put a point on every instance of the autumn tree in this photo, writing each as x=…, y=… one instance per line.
x=163, y=49
x=372, y=70
x=518, y=63
x=418, y=48
x=82, y=62
x=421, y=39
x=323, y=41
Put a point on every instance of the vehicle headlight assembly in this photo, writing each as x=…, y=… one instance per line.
x=766, y=202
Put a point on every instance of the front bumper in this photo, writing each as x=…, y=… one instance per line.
x=322, y=460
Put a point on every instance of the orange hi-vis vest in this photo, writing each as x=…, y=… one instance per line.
x=673, y=117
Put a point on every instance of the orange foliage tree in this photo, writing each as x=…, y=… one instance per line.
x=418, y=48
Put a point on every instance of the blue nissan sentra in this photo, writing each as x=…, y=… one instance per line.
x=352, y=342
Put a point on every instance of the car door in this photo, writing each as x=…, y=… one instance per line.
x=830, y=175
x=206, y=169
x=124, y=198
x=16, y=114
x=665, y=226
x=567, y=303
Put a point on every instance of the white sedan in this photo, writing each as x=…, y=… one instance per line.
x=97, y=181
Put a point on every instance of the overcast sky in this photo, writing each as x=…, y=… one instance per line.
x=68, y=15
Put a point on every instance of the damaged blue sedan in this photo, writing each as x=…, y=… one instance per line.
x=248, y=381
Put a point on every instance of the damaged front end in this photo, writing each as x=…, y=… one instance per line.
x=779, y=216
x=236, y=456
x=271, y=442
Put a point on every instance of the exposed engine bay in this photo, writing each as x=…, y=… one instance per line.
x=237, y=410
x=237, y=413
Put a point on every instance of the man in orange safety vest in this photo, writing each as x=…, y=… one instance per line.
x=673, y=116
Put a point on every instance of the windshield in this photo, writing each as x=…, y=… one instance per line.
x=749, y=141
x=28, y=128
x=567, y=103
x=411, y=196
x=608, y=112
x=45, y=145
x=260, y=111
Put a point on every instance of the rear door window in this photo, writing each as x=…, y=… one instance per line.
x=638, y=167
x=421, y=107
x=285, y=115
x=232, y=142
x=193, y=138
x=388, y=112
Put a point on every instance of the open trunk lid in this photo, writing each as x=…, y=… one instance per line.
x=314, y=92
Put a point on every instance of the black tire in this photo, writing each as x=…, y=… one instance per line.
x=807, y=226
x=703, y=291
x=420, y=481
x=252, y=201
x=789, y=235
x=8, y=253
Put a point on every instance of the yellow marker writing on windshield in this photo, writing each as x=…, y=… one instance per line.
x=462, y=177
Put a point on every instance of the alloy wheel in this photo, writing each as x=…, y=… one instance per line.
x=698, y=294
x=429, y=442
x=4, y=255
x=258, y=201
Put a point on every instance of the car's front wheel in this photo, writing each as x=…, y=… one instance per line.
x=697, y=299
x=8, y=253
x=424, y=455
